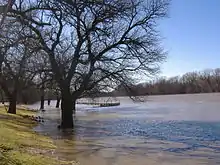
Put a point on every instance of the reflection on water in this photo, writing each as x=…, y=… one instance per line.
x=173, y=130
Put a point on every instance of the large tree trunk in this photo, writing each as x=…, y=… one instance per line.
x=58, y=102
x=67, y=106
x=12, y=103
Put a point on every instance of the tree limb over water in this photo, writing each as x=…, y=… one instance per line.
x=93, y=44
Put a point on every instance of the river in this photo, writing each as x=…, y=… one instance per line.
x=165, y=130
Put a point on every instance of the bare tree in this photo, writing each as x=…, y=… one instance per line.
x=92, y=43
x=206, y=81
x=57, y=94
x=41, y=67
x=14, y=77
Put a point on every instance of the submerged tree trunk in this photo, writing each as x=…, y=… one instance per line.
x=42, y=102
x=67, y=107
x=42, y=97
x=48, y=101
x=58, y=102
x=74, y=107
x=12, y=103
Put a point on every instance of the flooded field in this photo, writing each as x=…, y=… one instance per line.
x=165, y=130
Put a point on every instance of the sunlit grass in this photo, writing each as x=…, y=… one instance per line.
x=20, y=145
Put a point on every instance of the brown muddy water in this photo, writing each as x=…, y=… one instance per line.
x=165, y=130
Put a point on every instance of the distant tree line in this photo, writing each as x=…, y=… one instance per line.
x=206, y=81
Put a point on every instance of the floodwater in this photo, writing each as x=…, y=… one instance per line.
x=165, y=130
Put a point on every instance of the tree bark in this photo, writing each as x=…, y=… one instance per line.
x=12, y=103
x=42, y=102
x=24, y=98
x=42, y=97
x=58, y=102
x=48, y=101
x=74, y=107
x=67, y=106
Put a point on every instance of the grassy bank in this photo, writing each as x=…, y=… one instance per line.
x=20, y=145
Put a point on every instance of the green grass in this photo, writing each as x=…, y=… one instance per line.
x=20, y=145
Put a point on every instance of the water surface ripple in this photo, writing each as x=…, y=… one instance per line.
x=173, y=130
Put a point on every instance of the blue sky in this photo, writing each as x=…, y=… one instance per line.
x=191, y=36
